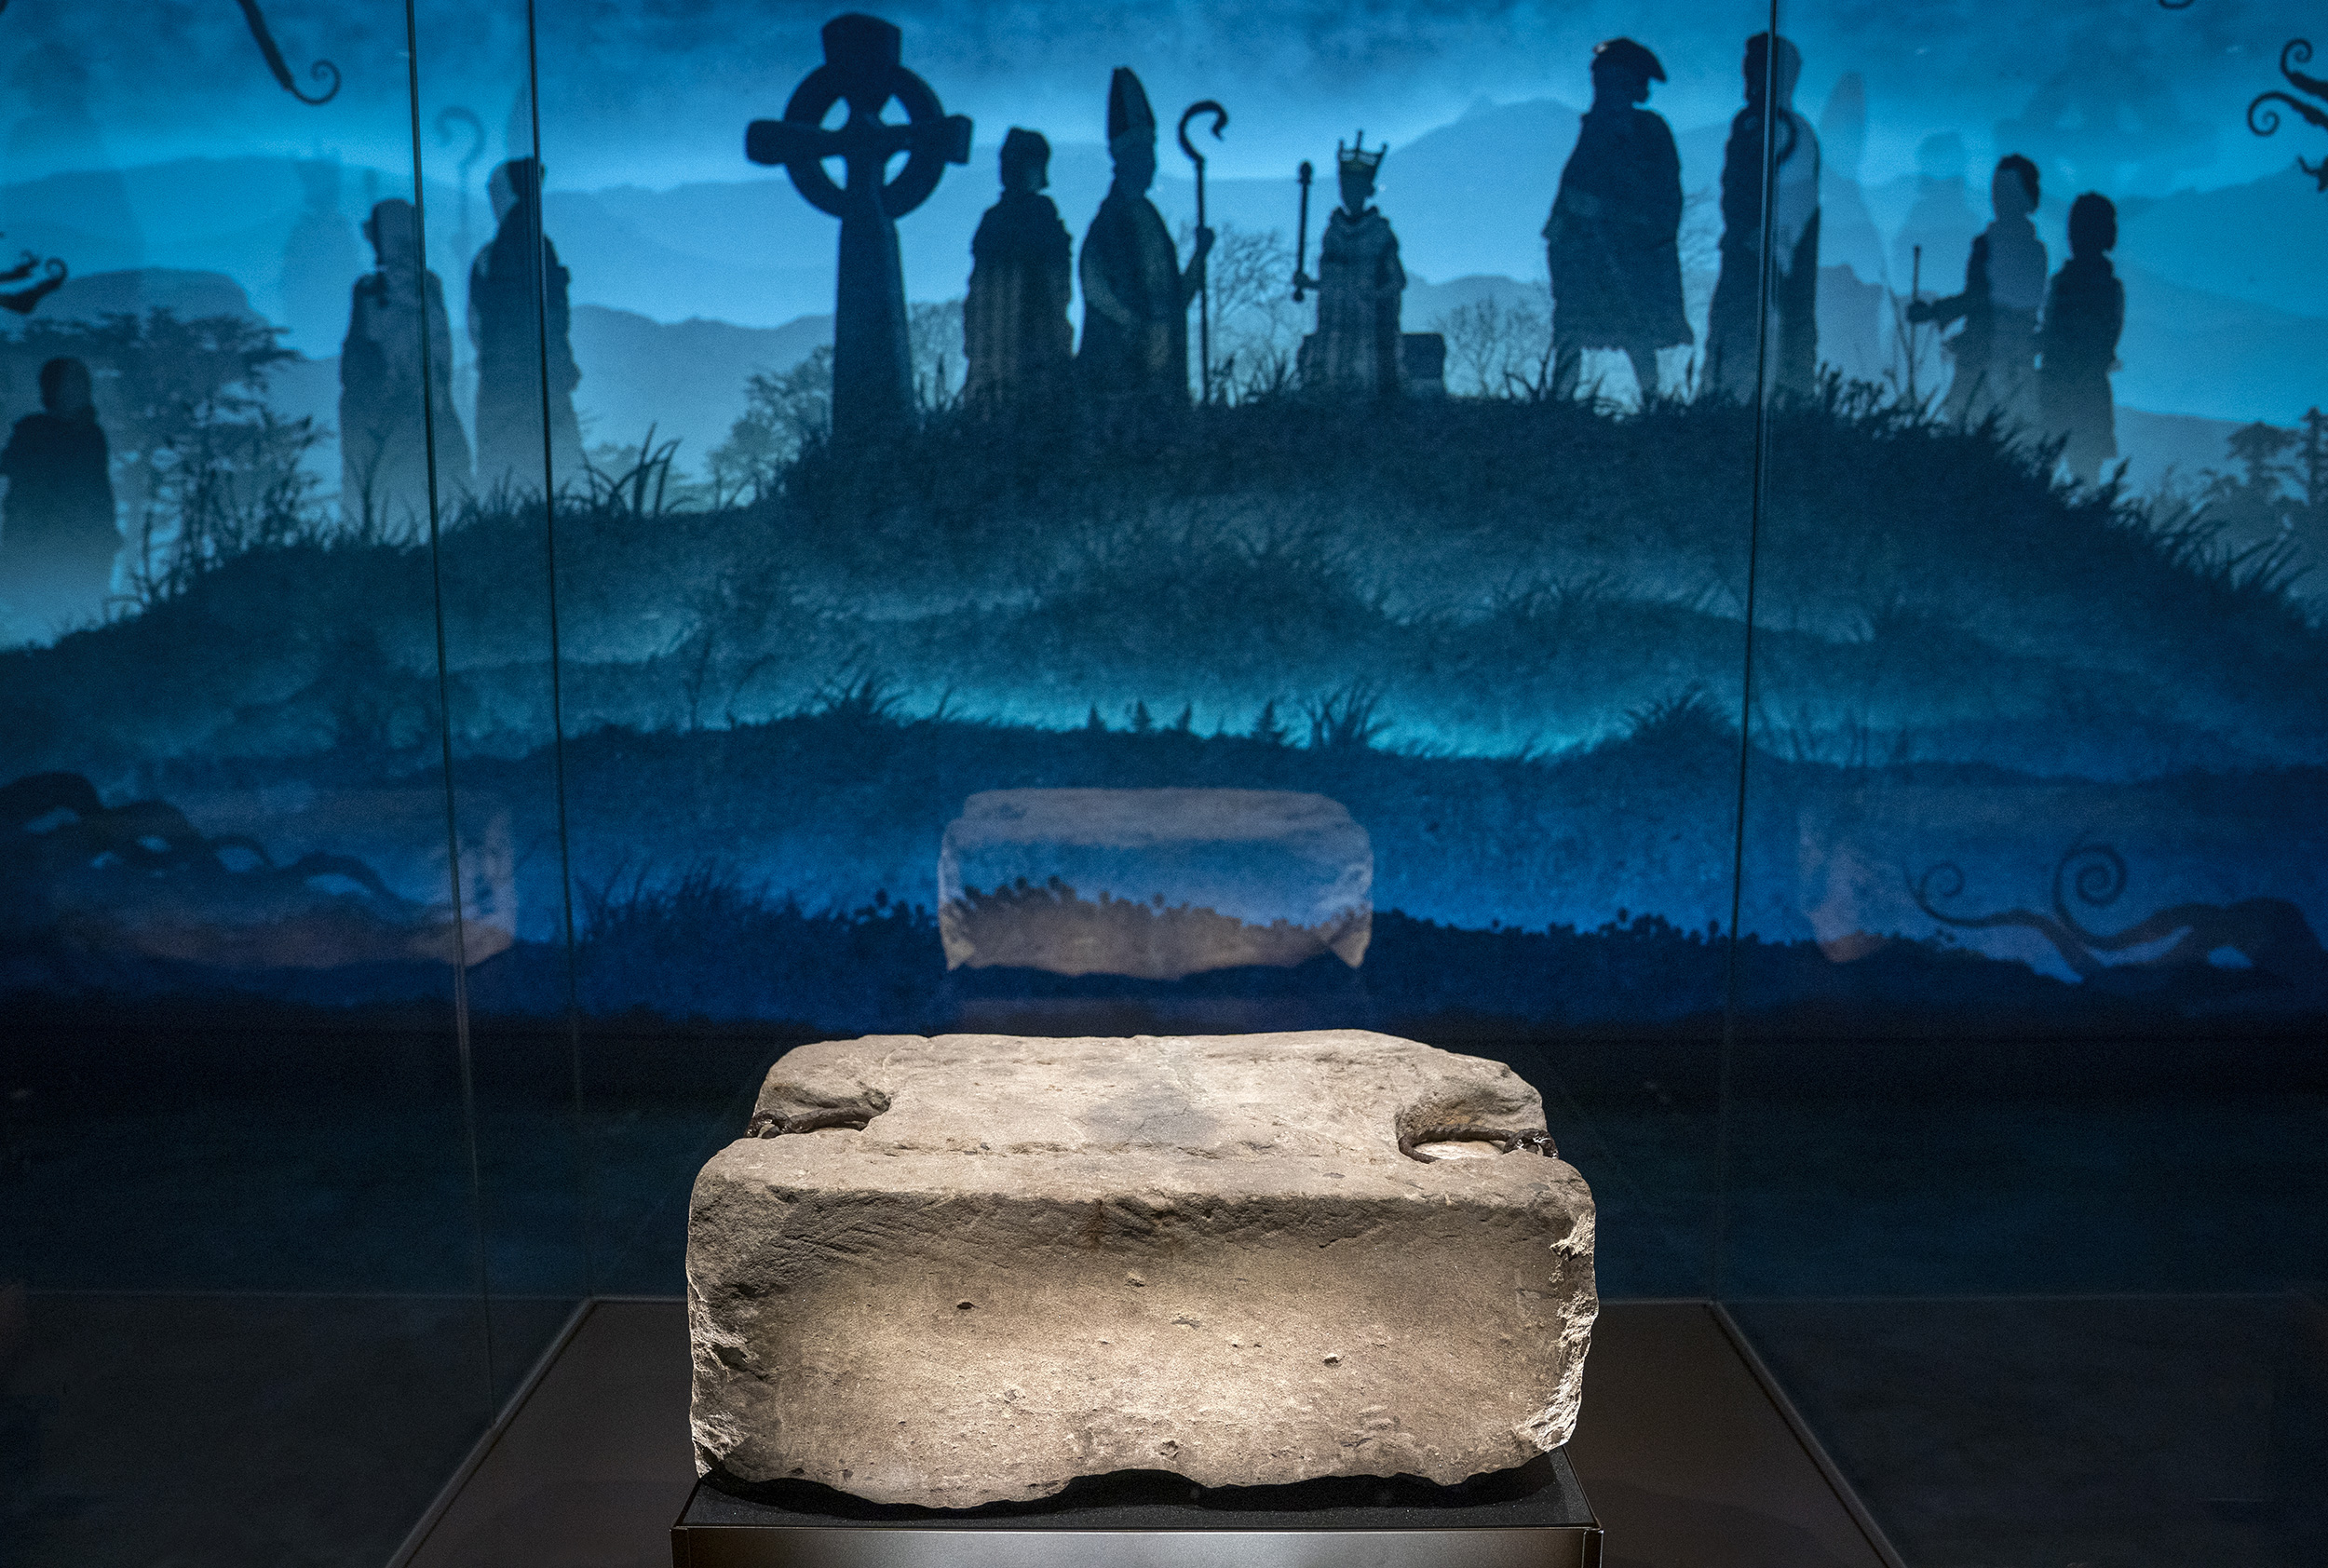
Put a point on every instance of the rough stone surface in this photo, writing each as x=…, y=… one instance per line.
x=959, y=1270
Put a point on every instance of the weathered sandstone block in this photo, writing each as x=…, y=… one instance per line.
x=957, y=1270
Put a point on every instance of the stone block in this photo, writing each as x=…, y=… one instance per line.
x=970, y=1269
x=1156, y=884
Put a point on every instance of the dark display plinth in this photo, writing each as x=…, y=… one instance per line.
x=1532, y=1518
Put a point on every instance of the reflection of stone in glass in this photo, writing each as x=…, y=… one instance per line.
x=256, y=879
x=1156, y=884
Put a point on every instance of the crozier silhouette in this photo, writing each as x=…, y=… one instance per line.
x=1135, y=292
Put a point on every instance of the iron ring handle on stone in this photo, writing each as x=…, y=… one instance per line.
x=1531, y=1141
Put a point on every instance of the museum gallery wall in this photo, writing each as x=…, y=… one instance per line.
x=550, y=554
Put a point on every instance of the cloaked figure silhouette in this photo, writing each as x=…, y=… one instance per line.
x=58, y=538
x=1018, y=348
x=385, y=373
x=1135, y=292
x=1732, y=329
x=2084, y=313
x=1613, y=238
x=1856, y=324
x=521, y=324
x=1847, y=236
x=1971, y=348
x=320, y=255
x=1361, y=283
x=1995, y=357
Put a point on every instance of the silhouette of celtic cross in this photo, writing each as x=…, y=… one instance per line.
x=872, y=379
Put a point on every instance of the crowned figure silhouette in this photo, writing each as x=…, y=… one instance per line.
x=1354, y=353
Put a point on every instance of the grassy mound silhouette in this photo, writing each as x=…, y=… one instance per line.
x=1503, y=578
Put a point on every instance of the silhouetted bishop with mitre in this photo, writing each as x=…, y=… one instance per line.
x=1017, y=344
x=1135, y=294
x=1354, y=353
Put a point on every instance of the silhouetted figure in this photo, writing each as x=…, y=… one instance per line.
x=58, y=538
x=1135, y=294
x=1732, y=330
x=1971, y=348
x=1995, y=372
x=384, y=440
x=872, y=369
x=518, y=308
x=1612, y=237
x=1018, y=347
x=322, y=256
x=2016, y=287
x=2084, y=313
x=1855, y=318
x=1847, y=236
x=1355, y=351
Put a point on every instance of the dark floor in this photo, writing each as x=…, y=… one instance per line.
x=2177, y=1404
x=1973, y=1196
x=2116, y=1432
x=2113, y=1431
x=1687, y=1461
x=226, y=1431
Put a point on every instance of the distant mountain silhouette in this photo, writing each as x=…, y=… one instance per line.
x=2189, y=351
x=228, y=215
x=2224, y=313
x=185, y=295
x=1469, y=197
x=1426, y=301
x=741, y=252
x=2155, y=444
x=2260, y=241
x=639, y=248
x=686, y=378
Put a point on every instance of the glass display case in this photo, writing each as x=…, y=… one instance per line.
x=1759, y=564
